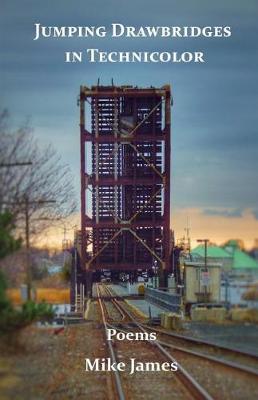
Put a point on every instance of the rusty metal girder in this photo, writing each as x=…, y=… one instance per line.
x=129, y=182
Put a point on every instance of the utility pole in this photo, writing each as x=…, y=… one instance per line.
x=205, y=241
x=27, y=241
x=206, y=271
x=21, y=164
x=27, y=203
x=27, y=223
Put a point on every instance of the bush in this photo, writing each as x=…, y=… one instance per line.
x=12, y=319
x=37, y=312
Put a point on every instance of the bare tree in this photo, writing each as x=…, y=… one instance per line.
x=38, y=184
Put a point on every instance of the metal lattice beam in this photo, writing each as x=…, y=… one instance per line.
x=130, y=197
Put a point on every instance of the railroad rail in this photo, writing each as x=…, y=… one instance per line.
x=198, y=341
x=209, y=347
x=195, y=390
x=118, y=382
x=186, y=355
x=108, y=300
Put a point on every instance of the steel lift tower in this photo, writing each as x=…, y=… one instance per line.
x=125, y=180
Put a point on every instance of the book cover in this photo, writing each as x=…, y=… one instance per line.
x=128, y=199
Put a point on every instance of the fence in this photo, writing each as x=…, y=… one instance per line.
x=168, y=301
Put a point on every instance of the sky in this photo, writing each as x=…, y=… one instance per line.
x=214, y=115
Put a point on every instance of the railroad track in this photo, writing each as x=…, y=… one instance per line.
x=112, y=311
x=118, y=383
x=223, y=355
x=229, y=357
x=189, y=386
x=212, y=359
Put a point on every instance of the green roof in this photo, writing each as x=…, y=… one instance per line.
x=212, y=251
x=241, y=260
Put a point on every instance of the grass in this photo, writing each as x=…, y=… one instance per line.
x=53, y=296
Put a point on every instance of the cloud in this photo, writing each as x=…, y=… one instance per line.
x=228, y=213
x=255, y=213
x=214, y=141
x=217, y=228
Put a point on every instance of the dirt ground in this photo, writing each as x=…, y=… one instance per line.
x=38, y=364
x=48, y=366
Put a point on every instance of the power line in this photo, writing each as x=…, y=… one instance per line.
x=15, y=164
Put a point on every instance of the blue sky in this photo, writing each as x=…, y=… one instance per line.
x=215, y=118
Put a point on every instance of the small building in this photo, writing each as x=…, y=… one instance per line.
x=243, y=265
x=234, y=261
x=215, y=254
x=202, y=283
